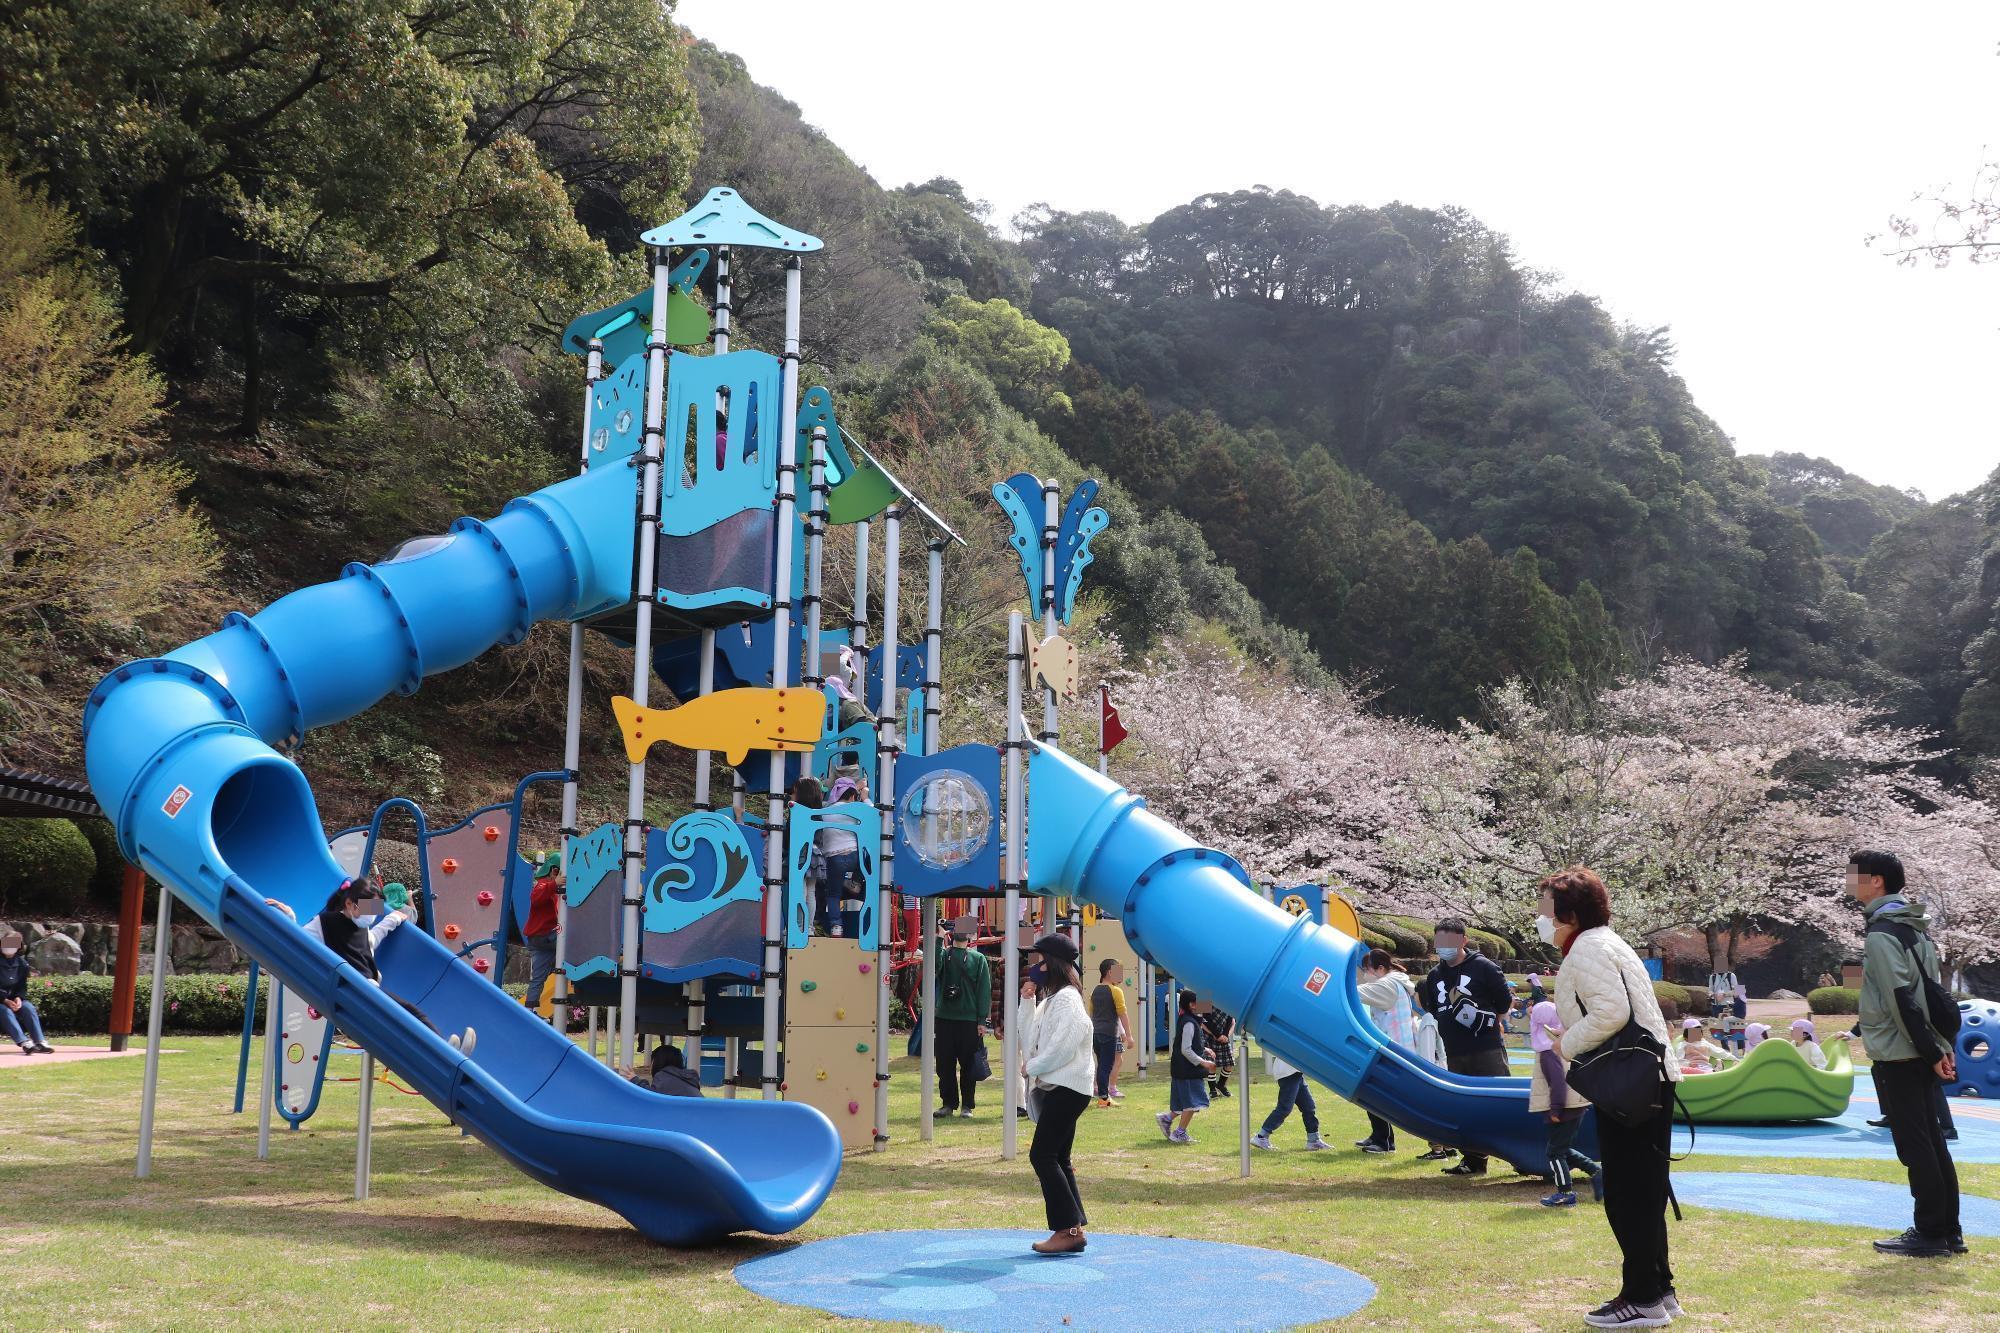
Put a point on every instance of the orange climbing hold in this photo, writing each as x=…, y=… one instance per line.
x=450, y=866
x=492, y=833
x=451, y=930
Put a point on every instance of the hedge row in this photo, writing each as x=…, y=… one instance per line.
x=1834, y=1000
x=194, y=1003
x=46, y=866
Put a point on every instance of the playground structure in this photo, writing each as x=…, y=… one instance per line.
x=1772, y=1083
x=694, y=558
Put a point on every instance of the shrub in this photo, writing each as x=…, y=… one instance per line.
x=1673, y=999
x=1375, y=939
x=1493, y=946
x=1404, y=942
x=1834, y=1000
x=1698, y=1004
x=107, y=881
x=45, y=867
x=195, y=1003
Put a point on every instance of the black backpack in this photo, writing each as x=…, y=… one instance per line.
x=1938, y=1004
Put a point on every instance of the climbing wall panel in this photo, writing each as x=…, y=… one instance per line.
x=830, y=990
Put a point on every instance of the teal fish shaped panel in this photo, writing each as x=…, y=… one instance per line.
x=803, y=824
x=705, y=480
x=722, y=218
x=1020, y=496
x=708, y=864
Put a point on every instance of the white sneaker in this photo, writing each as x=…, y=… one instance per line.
x=1671, y=1304
x=1261, y=1141
x=1317, y=1144
x=464, y=1044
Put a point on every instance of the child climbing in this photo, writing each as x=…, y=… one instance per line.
x=1190, y=1067
x=1549, y=1094
x=840, y=851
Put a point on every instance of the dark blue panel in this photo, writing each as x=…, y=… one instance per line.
x=951, y=832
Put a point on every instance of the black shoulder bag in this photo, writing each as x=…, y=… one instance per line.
x=1939, y=1007
x=1626, y=1077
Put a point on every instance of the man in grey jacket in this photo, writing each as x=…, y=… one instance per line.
x=1910, y=1056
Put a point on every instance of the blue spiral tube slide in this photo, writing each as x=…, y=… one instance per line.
x=180, y=752
x=1289, y=981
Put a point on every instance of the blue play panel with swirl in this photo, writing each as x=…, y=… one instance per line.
x=991, y=1282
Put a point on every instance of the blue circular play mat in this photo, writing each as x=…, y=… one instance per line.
x=990, y=1280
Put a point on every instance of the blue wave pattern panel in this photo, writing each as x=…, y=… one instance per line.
x=590, y=945
x=704, y=900
x=947, y=821
x=804, y=824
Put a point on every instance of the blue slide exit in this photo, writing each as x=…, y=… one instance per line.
x=179, y=752
x=1290, y=981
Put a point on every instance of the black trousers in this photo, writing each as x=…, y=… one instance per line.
x=1635, y=1200
x=1106, y=1051
x=958, y=1045
x=1487, y=1062
x=1055, y=1133
x=1381, y=1131
x=1908, y=1091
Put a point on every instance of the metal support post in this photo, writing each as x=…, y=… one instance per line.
x=781, y=676
x=1017, y=739
x=933, y=685
x=156, y=1012
x=887, y=745
x=364, y=1136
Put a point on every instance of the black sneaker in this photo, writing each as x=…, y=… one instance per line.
x=1463, y=1169
x=1914, y=1244
x=27, y=1049
x=1622, y=1313
x=1950, y=1136
x=1882, y=1123
x=1438, y=1155
x=43, y=1048
x=1957, y=1243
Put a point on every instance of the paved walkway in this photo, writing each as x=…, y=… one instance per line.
x=11, y=1058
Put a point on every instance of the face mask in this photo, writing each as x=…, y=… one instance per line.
x=1546, y=928
x=1449, y=953
x=8, y=953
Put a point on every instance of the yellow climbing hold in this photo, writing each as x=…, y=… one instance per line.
x=840, y=1013
x=821, y=1076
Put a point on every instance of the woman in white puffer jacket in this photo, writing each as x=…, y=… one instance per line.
x=1061, y=1064
x=1602, y=985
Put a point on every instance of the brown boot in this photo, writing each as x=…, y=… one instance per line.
x=1062, y=1242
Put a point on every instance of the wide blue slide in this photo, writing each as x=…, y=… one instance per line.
x=1290, y=982
x=180, y=751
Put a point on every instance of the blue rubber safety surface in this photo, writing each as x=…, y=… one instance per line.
x=990, y=1280
x=1850, y=1135
x=1841, y=1202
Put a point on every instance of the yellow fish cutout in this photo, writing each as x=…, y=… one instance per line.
x=1054, y=662
x=735, y=722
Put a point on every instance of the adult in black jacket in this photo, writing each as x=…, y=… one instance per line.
x=17, y=1011
x=1467, y=993
x=669, y=1074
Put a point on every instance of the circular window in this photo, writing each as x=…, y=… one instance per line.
x=419, y=546
x=947, y=819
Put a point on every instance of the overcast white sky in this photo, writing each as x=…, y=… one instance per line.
x=1709, y=167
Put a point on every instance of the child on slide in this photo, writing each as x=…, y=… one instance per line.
x=340, y=928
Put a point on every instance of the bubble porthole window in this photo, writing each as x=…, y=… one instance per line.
x=946, y=819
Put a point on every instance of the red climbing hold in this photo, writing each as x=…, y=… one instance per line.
x=451, y=930
x=486, y=898
x=492, y=833
x=481, y=966
x=854, y=1108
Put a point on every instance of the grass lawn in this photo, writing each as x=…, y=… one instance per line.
x=455, y=1238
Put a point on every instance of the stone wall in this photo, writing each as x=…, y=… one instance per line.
x=58, y=948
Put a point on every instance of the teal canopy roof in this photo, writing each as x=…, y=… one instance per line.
x=722, y=218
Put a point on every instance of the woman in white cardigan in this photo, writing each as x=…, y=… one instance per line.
x=1603, y=984
x=1061, y=1064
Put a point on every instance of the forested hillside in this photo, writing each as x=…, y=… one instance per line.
x=330, y=251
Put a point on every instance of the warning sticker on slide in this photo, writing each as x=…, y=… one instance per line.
x=1317, y=981
x=179, y=797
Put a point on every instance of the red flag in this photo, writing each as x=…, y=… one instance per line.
x=1110, y=730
